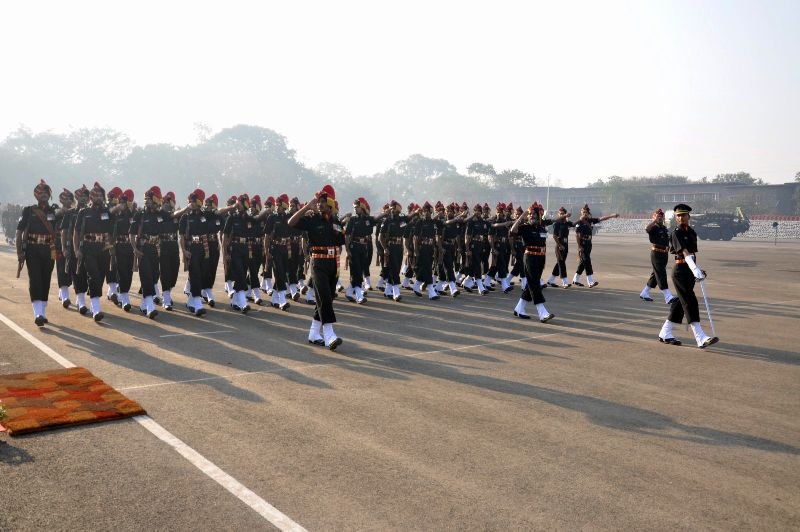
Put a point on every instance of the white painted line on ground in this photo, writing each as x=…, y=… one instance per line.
x=195, y=334
x=262, y=507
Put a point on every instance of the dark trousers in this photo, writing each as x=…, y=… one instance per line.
x=267, y=271
x=198, y=268
x=210, y=274
x=475, y=262
x=425, y=264
x=519, y=261
x=323, y=274
x=39, y=262
x=280, y=263
x=370, y=253
x=534, y=266
x=659, y=273
x=585, y=259
x=394, y=263
x=359, y=263
x=64, y=279
x=560, y=269
x=501, y=261
x=239, y=266
x=124, y=254
x=79, y=280
x=149, y=269
x=683, y=280
x=295, y=262
x=96, y=262
x=170, y=264
x=447, y=270
x=409, y=268
x=254, y=262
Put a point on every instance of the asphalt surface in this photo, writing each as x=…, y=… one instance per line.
x=433, y=415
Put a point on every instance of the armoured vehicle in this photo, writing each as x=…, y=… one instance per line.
x=716, y=225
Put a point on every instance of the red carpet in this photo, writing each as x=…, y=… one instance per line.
x=60, y=398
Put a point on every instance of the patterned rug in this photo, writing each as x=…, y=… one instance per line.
x=60, y=398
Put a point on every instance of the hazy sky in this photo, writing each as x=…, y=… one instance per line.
x=578, y=90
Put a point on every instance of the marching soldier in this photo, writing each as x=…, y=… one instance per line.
x=278, y=249
x=498, y=238
x=145, y=237
x=35, y=240
x=534, y=236
x=112, y=294
x=92, y=242
x=169, y=257
x=684, y=276
x=358, y=240
x=123, y=251
x=659, y=255
x=296, y=256
x=193, y=231
x=80, y=282
x=214, y=224
x=325, y=237
x=475, y=237
x=427, y=242
x=450, y=231
x=561, y=237
x=67, y=200
x=238, y=241
x=392, y=230
x=583, y=235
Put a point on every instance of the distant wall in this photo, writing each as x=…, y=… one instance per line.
x=788, y=227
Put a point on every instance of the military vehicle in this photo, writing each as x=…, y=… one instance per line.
x=715, y=225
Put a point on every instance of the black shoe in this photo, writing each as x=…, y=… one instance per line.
x=250, y=299
x=521, y=316
x=319, y=342
x=673, y=300
x=433, y=298
x=66, y=303
x=296, y=296
x=98, y=316
x=156, y=300
x=199, y=312
x=547, y=318
x=645, y=298
x=114, y=299
x=190, y=308
x=592, y=285
x=205, y=299
x=285, y=306
x=39, y=321
x=336, y=343
x=259, y=302
x=577, y=283
x=418, y=294
x=488, y=288
x=709, y=341
x=455, y=294
x=670, y=341
x=246, y=309
x=564, y=286
x=168, y=307
x=350, y=299
x=507, y=290
x=339, y=288
x=83, y=310
x=397, y=298
x=554, y=285
x=275, y=305
x=211, y=303
x=310, y=302
x=152, y=315
x=237, y=308
x=126, y=307
x=303, y=291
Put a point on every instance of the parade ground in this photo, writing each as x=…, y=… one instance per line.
x=433, y=415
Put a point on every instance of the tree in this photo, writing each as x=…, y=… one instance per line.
x=515, y=179
x=739, y=178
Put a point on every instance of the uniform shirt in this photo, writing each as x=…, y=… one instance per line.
x=450, y=232
x=170, y=225
x=94, y=220
x=477, y=227
x=534, y=235
x=427, y=228
x=321, y=231
x=277, y=227
x=659, y=235
x=239, y=226
x=147, y=223
x=30, y=221
x=194, y=223
x=360, y=226
x=122, y=224
x=561, y=231
x=683, y=238
x=584, y=228
x=394, y=226
x=498, y=232
x=68, y=224
x=214, y=222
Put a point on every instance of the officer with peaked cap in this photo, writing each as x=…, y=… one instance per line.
x=685, y=274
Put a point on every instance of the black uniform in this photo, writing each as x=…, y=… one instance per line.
x=534, y=238
x=561, y=236
x=94, y=226
x=683, y=238
x=241, y=229
x=80, y=282
x=170, y=254
x=393, y=229
x=194, y=228
x=122, y=263
x=64, y=279
x=659, y=255
x=450, y=234
x=425, y=232
x=583, y=232
x=146, y=231
x=359, y=232
x=214, y=225
x=280, y=247
x=477, y=231
x=325, y=237
x=36, y=224
x=502, y=250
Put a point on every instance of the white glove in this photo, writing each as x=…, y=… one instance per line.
x=698, y=273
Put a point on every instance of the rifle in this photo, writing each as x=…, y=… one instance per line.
x=22, y=245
